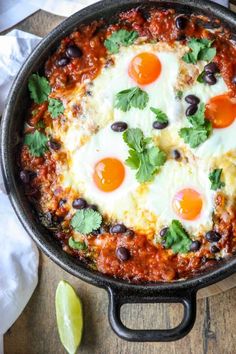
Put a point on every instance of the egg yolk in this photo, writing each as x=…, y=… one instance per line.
x=109, y=174
x=221, y=111
x=145, y=68
x=187, y=204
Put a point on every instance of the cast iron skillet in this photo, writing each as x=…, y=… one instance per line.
x=120, y=292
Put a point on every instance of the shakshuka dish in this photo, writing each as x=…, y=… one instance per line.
x=129, y=145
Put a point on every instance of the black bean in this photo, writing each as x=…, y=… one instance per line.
x=212, y=236
x=119, y=127
x=181, y=22
x=191, y=110
x=159, y=125
x=192, y=99
x=214, y=249
x=195, y=246
x=93, y=207
x=122, y=254
x=62, y=202
x=73, y=51
x=234, y=80
x=209, y=79
x=163, y=231
x=26, y=176
x=176, y=154
x=79, y=203
x=62, y=61
x=211, y=68
x=118, y=229
x=54, y=145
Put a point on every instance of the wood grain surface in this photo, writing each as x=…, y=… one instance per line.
x=35, y=330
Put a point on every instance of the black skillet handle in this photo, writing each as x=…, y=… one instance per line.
x=117, y=299
x=224, y=3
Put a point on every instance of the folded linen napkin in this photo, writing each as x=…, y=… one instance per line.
x=19, y=255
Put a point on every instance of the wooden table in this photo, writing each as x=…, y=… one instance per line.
x=35, y=330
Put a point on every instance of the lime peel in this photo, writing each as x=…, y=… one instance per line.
x=69, y=316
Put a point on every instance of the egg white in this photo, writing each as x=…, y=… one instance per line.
x=106, y=143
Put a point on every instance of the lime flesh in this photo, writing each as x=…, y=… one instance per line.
x=69, y=316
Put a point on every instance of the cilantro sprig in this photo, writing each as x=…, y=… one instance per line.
x=133, y=97
x=144, y=158
x=86, y=220
x=55, y=107
x=77, y=245
x=160, y=116
x=177, y=238
x=199, y=131
x=119, y=38
x=201, y=49
x=215, y=179
x=39, y=89
x=37, y=143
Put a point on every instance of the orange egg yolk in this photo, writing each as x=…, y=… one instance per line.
x=145, y=68
x=109, y=174
x=221, y=111
x=187, y=204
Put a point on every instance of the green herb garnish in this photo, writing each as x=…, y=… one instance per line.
x=160, y=115
x=78, y=245
x=200, y=130
x=55, y=107
x=179, y=94
x=215, y=177
x=119, y=38
x=39, y=88
x=37, y=143
x=177, y=238
x=40, y=124
x=133, y=97
x=86, y=220
x=200, y=50
x=142, y=157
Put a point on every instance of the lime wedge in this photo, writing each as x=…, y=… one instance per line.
x=69, y=316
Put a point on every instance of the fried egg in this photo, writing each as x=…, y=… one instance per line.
x=97, y=170
x=182, y=191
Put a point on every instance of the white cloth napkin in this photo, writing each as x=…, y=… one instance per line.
x=18, y=254
x=13, y=11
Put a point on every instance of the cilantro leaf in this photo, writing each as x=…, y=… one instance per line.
x=200, y=77
x=160, y=115
x=55, y=107
x=215, y=177
x=179, y=94
x=39, y=88
x=37, y=143
x=199, y=117
x=86, y=220
x=142, y=157
x=200, y=50
x=133, y=97
x=200, y=130
x=177, y=238
x=134, y=138
x=196, y=135
x=78, y=245
x=156, y=157
x=119, y=38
